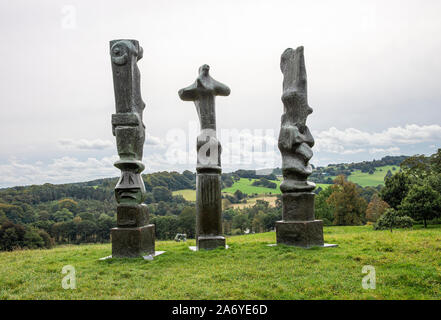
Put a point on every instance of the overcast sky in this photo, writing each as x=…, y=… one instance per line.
x=373, y=67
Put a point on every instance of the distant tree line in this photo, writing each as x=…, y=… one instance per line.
x=325, y=174
x=46, y=215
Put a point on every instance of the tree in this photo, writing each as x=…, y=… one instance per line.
x=187, y=221
x=422, y=202
x=240, y=221
x=258, y=223
x=392, y=219
x=376, y=208
x=435, y=161
x=11, y=236
x=417, y=167
x=166, y=227
x=395, y=189
x=388, y=175
x=323, y=210
x=33, y=240
x=161, y=194
x=349, y=206
x=69, y=204
x=239, y=195
x=63, y=215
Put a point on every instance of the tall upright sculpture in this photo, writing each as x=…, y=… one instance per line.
x=298, y=227
x=133, y=236
x=208, y=180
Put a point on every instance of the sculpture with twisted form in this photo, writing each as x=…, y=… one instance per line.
x=298, y=226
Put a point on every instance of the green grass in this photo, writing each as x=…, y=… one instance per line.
x=407, y=263
x=188, y=194
x=365, y=179
x=244, y=185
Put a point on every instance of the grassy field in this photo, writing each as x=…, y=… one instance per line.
x=188, y=194
x=407, y=264
x=365, y=179
x=252, y=201
x=245, y=186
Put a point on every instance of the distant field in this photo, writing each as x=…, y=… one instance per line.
x=365, y=179
x=252, y=201
x=244, y=185
x=188, y=194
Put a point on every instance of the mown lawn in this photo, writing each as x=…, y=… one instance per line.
x=407, y=263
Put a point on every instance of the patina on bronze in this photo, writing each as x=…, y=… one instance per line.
x=298, y=226
x=133, y=236
x=208, y=180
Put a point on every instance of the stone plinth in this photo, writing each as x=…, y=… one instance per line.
x=303, y=234
x=299, y=227
x=133, y=236
x=133, y=242
x=209, y=211
x=210, y=242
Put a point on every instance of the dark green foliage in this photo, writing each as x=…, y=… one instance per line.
x=15, y=236
x=170, y=180
x=368, y=192
x=395, y=189
x=388, y=175
x=392, y=219
x=263, y=182
x=252, y=174
x=166, y=227
x=348, y=206
x=239, y=195
x=161, y=194
x=421, y=203
x=323, y=210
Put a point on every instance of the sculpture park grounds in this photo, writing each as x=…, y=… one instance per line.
x=407, y=265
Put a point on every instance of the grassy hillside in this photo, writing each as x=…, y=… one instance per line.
x=188, y=194
x=408, y=266
x=365, y=179
x=245, y=186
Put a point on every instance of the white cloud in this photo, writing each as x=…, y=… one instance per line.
x=152, y=140
x=61, y=170
x=389, y=151
x=84, y=144
x=344, y=141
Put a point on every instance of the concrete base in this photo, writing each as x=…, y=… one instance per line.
x=148, y=257
x=210, y=242
x=303, y=234
x=194, y=248
x=326, y=245
x=133, y=242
